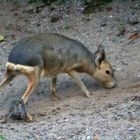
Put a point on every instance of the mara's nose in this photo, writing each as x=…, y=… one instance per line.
x=114, y=83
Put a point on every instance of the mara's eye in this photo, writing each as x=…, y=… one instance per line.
x=107, y=72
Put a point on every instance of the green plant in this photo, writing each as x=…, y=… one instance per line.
x=91, y=6
x=2, y=137
x=32, y=1
x=49, y=2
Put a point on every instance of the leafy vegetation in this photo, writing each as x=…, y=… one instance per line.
x=2, y=137
x=86, y=2
x=91, y=5
x=48, y=2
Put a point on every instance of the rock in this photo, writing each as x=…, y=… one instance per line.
x=132, y=20
x=121, y=30
x=88, y=138
x=17, y=111
x=55, y=18
x=132, y=98
x=137, y=7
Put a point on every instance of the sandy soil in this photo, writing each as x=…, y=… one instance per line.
x=110, y=114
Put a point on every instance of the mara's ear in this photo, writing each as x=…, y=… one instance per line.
x=100, y=55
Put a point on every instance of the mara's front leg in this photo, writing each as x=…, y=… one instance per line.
x=53, y=87
x=73, y=74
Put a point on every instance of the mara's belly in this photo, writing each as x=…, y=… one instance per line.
x=54, y=70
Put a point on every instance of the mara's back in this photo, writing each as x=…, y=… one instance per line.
x=48, y=50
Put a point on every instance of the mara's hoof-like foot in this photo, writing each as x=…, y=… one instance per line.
x=88, y=95
x=29, y=118
x=56, y=98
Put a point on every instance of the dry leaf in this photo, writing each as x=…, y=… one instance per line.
x=134, y=36
x=1, y=38
x=96, y=136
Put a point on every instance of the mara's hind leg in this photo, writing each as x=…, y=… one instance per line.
x=33, y=81
x=8, y=77
x=34, y=78
x=33, y=75
x=53, y=87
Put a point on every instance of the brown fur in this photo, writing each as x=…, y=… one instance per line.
x=101, y=75
x=61, y=60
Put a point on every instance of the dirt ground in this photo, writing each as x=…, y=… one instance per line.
x=110, y=114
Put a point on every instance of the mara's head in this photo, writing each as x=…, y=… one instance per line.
x=104, y=72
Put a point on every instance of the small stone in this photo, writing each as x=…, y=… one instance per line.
x=137, y=7
x=58, y=108
x=131, y=129
x=55, y=18
x=88, y=137
x=12, y=128
x=121, y=30
x=132, y=20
